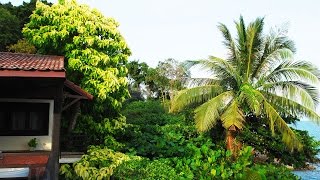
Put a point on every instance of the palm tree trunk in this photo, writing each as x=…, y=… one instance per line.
x=230, y=138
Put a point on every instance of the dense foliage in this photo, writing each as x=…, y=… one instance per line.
x=98, y=163
x=153, y=133
x=263, y=141
x=9, y=28
x=22, y=46
x=12, y=20
x=95, y=58
x=145, y=169
x=94, y=49
x=169, y=147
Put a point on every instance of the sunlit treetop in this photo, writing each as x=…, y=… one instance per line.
x=95, y=51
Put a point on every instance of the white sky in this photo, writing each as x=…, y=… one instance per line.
x=187, y=29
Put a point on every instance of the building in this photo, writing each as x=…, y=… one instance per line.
x=34, y=91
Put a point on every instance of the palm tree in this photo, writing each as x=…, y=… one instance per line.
x=260, y=77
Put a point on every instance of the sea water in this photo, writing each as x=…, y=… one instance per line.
x=314, y=130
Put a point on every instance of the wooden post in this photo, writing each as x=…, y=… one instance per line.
x=53, y=166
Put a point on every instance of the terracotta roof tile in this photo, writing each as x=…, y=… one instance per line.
x=29, y=62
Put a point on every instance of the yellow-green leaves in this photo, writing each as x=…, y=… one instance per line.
x=233, y=116
x=208, y=113
x=194, y=95
x=288, y=136
x=99, y=163
x=94, y=48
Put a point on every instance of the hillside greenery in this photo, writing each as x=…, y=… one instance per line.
x=160, y=145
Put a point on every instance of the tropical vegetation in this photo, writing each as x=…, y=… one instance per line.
x=96, y=55
x=258, y=78
x=160, y=145
x=251, y=96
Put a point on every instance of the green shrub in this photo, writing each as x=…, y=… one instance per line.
x=207, y=163
x=145, y=169
x=262, y=140
x=152, y=133
x=98, y=163
x=271, y=172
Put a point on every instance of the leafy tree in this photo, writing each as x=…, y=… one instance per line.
x=93, y=47
x=161, y=81
x=22, y=46
x=259, y=76
x=9, y=28
x=95, y=58
x=137, y=73
x=23, y=11
x=156, y=83
x=176, y=74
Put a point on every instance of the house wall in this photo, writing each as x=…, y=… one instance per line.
x=39, y=89
x=13, y=143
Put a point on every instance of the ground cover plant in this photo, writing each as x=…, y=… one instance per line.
x=170, y=148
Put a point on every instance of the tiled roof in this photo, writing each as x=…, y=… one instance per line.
x=30, y=62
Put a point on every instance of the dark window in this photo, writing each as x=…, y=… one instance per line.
x=24, y=119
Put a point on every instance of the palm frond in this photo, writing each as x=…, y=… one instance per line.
x=288, y=136
x=194, y=95
x=242, y=38
x=233, y=116
x=277, y=47
x=269, y=60
x=304, y=93
x=223, y=68
x=230, y=44
x=203, y=81
x=208, y=113
x=254, y=43
x=290, y=70
x=292, y=107
x=252, y=98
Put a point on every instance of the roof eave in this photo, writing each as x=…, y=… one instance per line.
x=78, y=89
x=22, y=73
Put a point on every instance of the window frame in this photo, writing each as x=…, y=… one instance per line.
x=27, y=106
